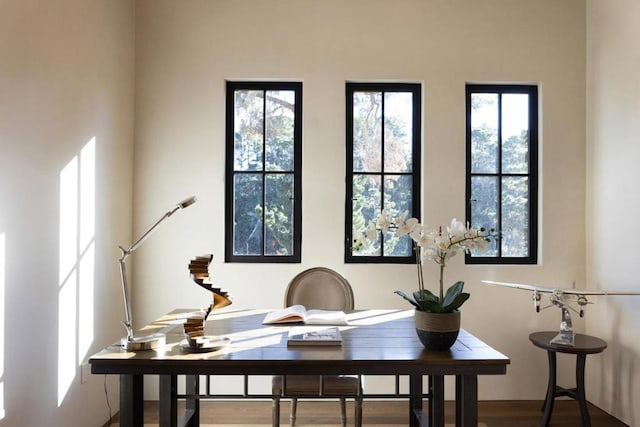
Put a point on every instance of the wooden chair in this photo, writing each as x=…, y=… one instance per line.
x=319, y=288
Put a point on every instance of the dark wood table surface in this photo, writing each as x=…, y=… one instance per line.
x=376, y=342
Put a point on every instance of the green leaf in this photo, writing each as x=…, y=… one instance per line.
x=425, y=295
x=457, y=302
x=432, y=306
x=452, y=293
x=408, y=298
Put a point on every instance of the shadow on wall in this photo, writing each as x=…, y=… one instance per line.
x=619, y=368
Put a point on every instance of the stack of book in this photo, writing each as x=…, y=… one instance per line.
x=194, y=327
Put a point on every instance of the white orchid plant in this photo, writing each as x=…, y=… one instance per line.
x=437, y=245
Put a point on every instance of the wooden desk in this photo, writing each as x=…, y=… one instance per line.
x=583, y=345
x=377, y=342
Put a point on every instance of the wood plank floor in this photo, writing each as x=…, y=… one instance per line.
x=512, y=413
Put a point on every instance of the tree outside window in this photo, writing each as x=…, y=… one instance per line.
x=263, y=172
x=383, y=122
x=502, y=164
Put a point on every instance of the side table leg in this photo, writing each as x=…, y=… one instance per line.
x=582, y=401
x=131, y=400
x=551, y=389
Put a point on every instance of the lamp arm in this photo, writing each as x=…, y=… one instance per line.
x=125, y=293
x=128, y=322
x=147, y=233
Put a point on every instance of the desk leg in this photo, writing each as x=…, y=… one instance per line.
x=168, y=407
x=551, y=389
x=192, y=404
x=131, y=400
x=436, y=400
x=466, y=400
x=580, y=393
x=415, y=400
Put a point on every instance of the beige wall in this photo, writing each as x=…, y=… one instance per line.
x=613, y=153
x=184, y=52
x=66, y=77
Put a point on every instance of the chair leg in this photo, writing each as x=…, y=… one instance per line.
x=343, y=411
x=275, y=411
x=294, y=405
x=358, y=410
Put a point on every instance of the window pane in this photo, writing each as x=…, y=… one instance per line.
x=398, y=197
x=279, y=130
x=484, y=133
x=279, y=214
x=398, y=128
x=484, y=207
x=367, y=131
x=515, y=217
x=398, y=194
x=248, y=130
x=247, y=214
x=367, y=202
x=515, y=133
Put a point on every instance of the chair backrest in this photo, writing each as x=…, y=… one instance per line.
x=320, y=288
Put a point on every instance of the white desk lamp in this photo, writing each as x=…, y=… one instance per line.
x=147, y=342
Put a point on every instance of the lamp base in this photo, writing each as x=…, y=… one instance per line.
x=146, y=342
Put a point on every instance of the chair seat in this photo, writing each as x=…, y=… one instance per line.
x=301, y=385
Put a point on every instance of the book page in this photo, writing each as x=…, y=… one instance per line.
x=294, y=313
x=326, y=317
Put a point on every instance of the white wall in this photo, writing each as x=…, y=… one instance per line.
x=613, y=100
x=184, y=52
x=66, y=77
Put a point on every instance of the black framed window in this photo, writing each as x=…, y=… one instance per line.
x=263, y=172
x=502, y=170
x=383, y=139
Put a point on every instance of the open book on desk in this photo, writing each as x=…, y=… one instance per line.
x=299, y=314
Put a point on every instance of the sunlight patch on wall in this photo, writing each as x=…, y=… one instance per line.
x=77, y=259
x=2, y=284
x=87, y=247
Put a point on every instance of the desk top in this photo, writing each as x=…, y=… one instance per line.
x=582, y=344
x=382, y=342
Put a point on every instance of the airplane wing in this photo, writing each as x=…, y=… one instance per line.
x=520, y=286
x=551, y=290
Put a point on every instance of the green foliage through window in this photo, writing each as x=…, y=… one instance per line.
x=383, y=122
x=263, y=172
x=502, y=164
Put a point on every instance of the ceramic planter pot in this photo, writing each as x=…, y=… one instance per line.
x=437, y=331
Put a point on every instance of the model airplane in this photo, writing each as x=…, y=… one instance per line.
x=562, y=298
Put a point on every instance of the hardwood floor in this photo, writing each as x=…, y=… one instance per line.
x=512, y=413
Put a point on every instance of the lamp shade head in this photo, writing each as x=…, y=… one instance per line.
x=187, y=202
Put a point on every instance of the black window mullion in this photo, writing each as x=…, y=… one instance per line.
x=264, y=172
x=382, y=168
x=500, y=175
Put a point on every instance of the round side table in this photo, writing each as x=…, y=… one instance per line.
x=584, y=344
